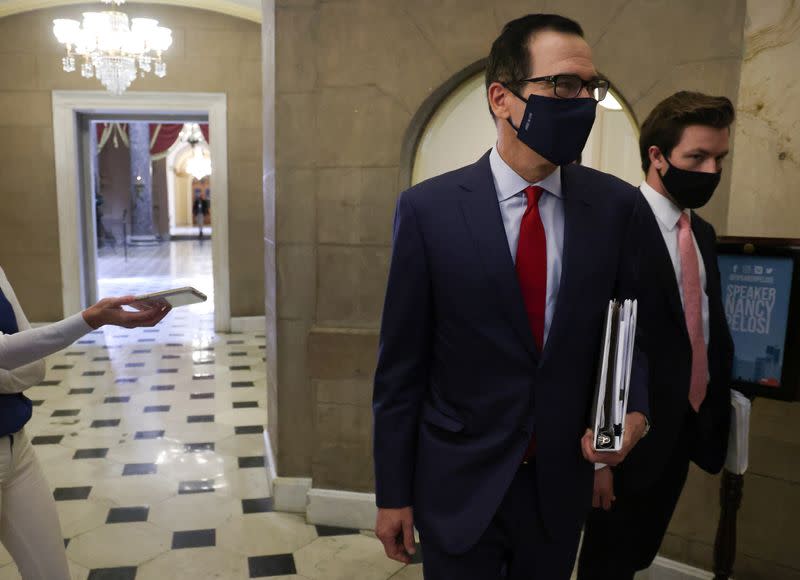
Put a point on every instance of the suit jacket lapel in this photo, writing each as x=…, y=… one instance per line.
x=705, y=251
x=578, y=230
x=661, y=263
x=482, y=214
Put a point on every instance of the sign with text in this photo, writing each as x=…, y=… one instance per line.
x=756, y=291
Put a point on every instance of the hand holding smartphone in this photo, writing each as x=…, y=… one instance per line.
x=175, y=297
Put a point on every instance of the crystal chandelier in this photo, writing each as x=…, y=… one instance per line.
x=191, y=133
x=112, y=48
x=199, y=164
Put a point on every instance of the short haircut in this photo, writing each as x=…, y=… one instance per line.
x=510, y=57
x=665, y=124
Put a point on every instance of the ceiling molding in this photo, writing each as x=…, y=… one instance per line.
x=229, y=7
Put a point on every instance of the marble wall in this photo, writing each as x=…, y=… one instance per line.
x=350, y=76
x=763, y=202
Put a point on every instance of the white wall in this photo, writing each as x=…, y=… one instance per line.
x=613, y=146
x=460, y=131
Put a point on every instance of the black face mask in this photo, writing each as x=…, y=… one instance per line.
x=690, y=189
x=557, y=129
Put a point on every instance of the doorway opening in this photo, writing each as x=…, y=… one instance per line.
x=151, y=194
x=121, y=215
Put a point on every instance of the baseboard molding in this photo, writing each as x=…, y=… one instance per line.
x=348, y=509
x=290, y=494
x=248, y=324
x=344, y=509
x=666, y=569
x=326, y=507
x=270, y=460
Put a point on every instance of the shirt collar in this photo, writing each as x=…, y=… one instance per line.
x=664, y=209
x=509, y=183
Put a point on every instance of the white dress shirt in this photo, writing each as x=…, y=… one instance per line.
x=667, y=215
x=21, y=354
x=510, y=187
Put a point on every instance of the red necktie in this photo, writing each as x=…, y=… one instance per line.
x=532, y=273
x=532, y=264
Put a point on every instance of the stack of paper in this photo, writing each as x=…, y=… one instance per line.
x=614, y=375
x=738, y=437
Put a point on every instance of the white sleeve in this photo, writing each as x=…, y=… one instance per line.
x=30, y=345
x=21, y=354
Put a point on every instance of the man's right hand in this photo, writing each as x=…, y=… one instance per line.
x=395, y=528
x=603, y=495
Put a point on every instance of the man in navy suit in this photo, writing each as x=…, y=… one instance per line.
x=682, y=144
x=500, y=279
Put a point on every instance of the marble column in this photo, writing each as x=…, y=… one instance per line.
x=142, y=227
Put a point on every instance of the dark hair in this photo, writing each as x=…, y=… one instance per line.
x=510, y=57
x=665, y=124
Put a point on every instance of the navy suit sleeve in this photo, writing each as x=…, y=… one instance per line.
x=628, y=284
x=401, y=378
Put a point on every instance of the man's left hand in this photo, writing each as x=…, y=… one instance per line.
x=634, y=430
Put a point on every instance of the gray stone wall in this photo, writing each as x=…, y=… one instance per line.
x=350, y=77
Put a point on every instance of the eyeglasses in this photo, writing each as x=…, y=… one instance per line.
x=570, y=86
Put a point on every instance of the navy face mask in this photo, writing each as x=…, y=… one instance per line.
x=557, y=129
x=690, y=189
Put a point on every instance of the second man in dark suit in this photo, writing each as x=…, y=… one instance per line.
x=687, y=341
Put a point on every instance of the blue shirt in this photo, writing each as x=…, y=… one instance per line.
x=510, y=187
x=15, y=409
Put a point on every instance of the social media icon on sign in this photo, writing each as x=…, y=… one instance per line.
x=758, y=269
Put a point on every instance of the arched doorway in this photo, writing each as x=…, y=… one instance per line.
x=458, y=129
x=184, y=188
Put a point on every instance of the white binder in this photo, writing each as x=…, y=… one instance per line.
x=614, y=375
x=739, y=435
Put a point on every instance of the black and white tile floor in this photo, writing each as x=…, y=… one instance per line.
x=152, y=442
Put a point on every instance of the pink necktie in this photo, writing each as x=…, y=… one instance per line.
x=692, y=309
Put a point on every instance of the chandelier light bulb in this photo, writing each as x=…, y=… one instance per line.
x=199, y=164
x=113, y=48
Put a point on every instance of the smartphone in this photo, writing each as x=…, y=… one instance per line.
x=175, y=297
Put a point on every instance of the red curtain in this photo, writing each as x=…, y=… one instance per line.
x=163, y=136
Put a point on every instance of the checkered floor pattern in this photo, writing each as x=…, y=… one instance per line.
x=152, y=441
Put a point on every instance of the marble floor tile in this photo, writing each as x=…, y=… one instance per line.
x=79, y=517
x=195, y=511
x=123, y=544
x=197, y=564
x=266, y=534
x=186, y=478
x=343, y=558
x=134, y=490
